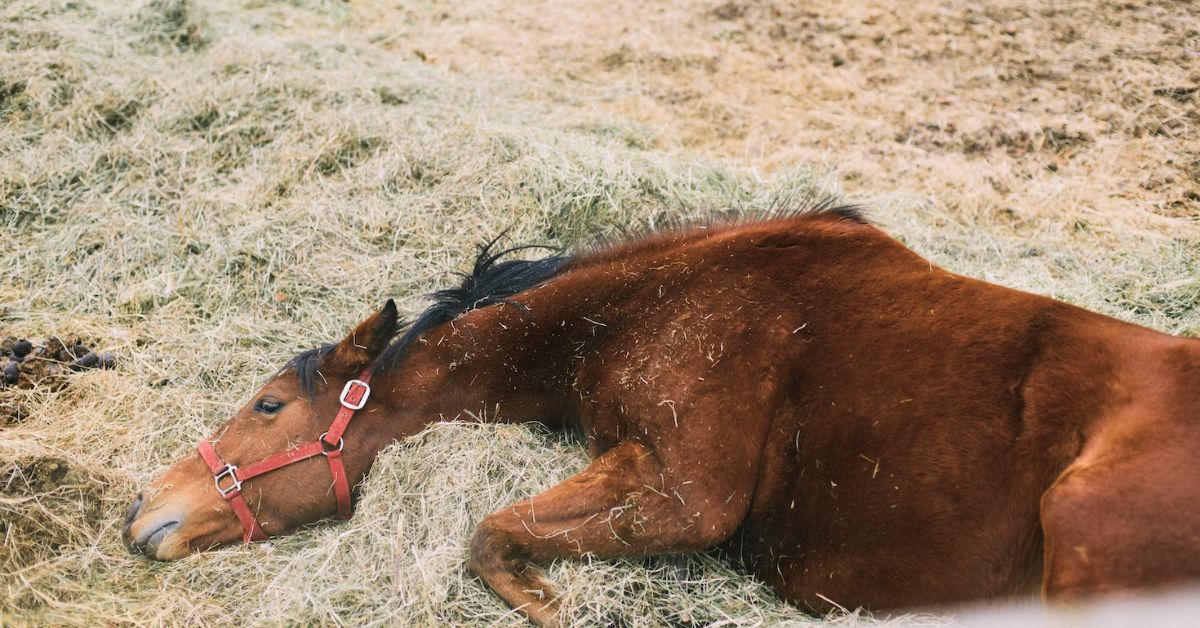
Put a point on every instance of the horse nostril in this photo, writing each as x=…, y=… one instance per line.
x=156, y=538
x=126, y=537
x=133, y=510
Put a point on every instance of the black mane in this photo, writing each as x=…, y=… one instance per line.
x=306, y=367
x=814, y=205
x=489, y=281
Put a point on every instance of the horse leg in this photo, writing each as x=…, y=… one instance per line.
x=1123, y=517
x=625, y=503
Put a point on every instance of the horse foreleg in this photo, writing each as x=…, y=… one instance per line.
x=625, y=503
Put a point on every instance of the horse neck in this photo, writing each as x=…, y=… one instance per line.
x=491, y=365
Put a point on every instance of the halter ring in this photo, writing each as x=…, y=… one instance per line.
x=325, y=444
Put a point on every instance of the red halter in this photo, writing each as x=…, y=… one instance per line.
x=228, y=478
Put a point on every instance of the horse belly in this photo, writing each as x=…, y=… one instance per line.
x=858, y=524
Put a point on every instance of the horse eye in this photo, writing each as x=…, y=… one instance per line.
x=268, y=406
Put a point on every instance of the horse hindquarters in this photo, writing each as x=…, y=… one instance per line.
x=1125, y=516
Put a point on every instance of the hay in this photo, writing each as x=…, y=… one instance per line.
x=204, y=188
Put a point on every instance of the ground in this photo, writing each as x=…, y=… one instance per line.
x=1017, y=106
x=203, y=188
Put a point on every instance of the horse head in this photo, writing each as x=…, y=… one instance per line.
x=273, y=459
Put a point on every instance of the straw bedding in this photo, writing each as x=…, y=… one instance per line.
x=204, y=190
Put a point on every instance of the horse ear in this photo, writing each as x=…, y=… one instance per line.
x=367, y=340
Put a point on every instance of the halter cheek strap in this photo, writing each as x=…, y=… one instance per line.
x=228, y=478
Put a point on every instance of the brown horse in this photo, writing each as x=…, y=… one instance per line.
x=854, y=424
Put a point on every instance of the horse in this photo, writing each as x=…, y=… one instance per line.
x=850, y=423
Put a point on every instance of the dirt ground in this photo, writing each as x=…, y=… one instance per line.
x=1087, y=109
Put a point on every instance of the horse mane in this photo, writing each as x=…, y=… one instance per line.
x=829, y=208
x=306, y=364
x=491, y=280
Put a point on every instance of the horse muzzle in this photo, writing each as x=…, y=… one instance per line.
x=145, y=532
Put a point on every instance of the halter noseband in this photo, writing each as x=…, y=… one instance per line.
x=228, y=478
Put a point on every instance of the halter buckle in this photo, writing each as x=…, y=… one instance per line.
x=230, y=471
x=355, y=385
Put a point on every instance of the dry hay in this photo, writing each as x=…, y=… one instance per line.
x=204, y=190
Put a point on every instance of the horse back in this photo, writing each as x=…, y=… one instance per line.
x=890, y=425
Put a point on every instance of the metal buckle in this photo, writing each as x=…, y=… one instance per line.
x=230, y=471
x=362, y=400
x=325, y=446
